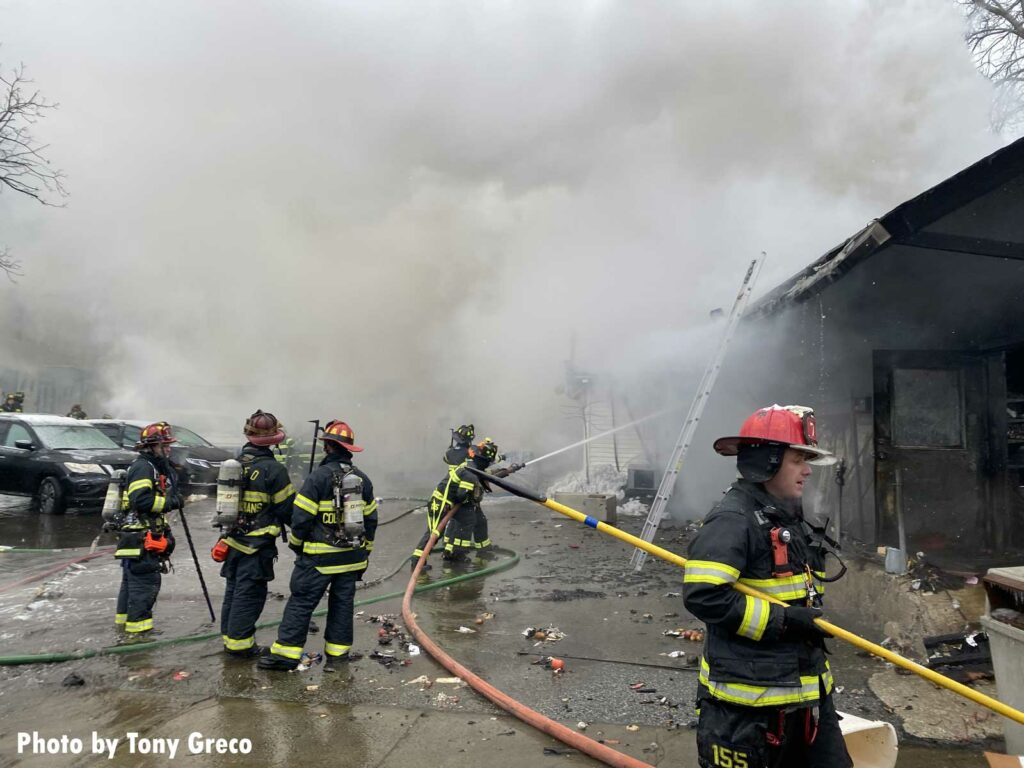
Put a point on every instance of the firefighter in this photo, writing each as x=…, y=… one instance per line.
x=465, y=489
x=462, y=440
x=146, y=543
x=264, y=509
x=334, y=521
x=76, y=412
x=481, y=534
x=13, y=403
x=457, y=453
x=765, y=689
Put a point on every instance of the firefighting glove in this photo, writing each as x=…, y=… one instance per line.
x=798, y=624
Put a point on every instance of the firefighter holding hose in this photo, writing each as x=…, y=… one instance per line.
x=765, y=688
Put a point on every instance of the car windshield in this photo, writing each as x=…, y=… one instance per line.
x=77, y=436
x=188, y=438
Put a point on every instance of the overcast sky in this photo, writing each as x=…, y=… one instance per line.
x=399, y=212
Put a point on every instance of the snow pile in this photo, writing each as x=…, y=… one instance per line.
x=633, y=508
x=603, y=479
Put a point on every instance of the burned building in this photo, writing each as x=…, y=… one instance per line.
x=909, y=339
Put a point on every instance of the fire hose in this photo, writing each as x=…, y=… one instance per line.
x=55, y=569
x=531, y=717
x=836, y=631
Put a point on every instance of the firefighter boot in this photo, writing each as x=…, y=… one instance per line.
x=335, y=663
x=269, y=661
x=252, y=652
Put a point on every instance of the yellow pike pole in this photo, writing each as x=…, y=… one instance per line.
x=873, y=648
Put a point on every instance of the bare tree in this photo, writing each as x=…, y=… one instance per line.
x=996, y=38
x=23, y=167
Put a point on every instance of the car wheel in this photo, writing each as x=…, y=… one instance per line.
x=51, y=497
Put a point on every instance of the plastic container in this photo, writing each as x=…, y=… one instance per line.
x=1004, y=588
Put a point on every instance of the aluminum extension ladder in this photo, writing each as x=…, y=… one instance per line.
x=659, y=506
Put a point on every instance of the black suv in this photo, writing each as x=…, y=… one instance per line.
x=61, y=462
x=194, y=458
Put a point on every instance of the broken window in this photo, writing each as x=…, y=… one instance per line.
x=927, y=408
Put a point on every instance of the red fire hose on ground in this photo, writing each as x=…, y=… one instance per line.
x=567, y=736
x=55, y=569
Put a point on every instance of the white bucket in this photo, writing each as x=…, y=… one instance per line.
x=872, y=743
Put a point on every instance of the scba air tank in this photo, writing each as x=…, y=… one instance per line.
x=354, y=506
x=229, y=493
x=112, y=501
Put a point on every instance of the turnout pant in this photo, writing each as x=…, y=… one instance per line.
x=458, y=535
x=140, y=586
x=308, y=586
x=770, y=737
x=432, y=520
x=245, y=594
x=481, y=539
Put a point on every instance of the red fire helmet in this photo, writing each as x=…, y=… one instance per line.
x=158, y=433
x=790, y=425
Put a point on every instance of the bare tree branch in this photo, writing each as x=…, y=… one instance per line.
x=10, y=266
x=996, y=38
x=23, y=167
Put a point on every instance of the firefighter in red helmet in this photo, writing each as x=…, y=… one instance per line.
x=334, y=522
x=146, y=543
x=765, y=687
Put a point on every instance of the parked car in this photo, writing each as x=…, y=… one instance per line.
x=195, y=459
x=61, y=462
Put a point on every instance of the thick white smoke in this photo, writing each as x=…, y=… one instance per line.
x=399, y=212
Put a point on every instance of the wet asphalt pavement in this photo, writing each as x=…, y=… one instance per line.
x=568, y=577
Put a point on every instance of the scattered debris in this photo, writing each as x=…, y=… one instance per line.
x=466, y=631
x=449, y=681
x=308, y=660
x=552, y=634
x=182, y=675
x=968, y=655
x=559, y=751
x=632, y=728
x=444, y=700
x=312, y=687
x=674, y=654
x=414, y=650
x=557, y=665
x=72, y=680
x=696, y=635
x=386, y=658
x=423, y=680
x=581, y=725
